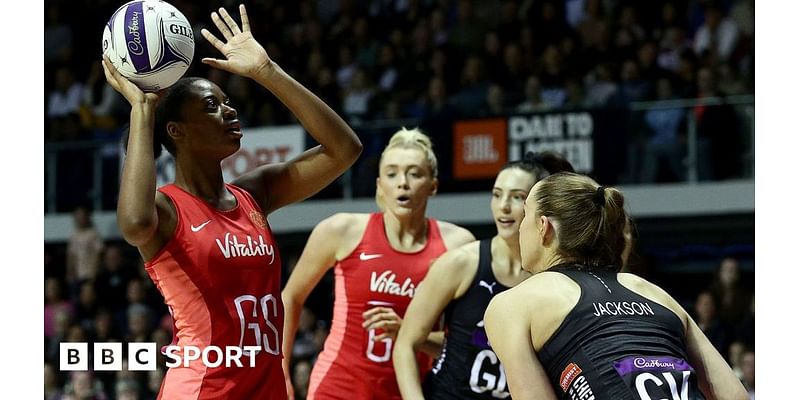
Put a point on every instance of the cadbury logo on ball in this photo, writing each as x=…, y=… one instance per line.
x=135, y=44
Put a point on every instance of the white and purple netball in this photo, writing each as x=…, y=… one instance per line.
x=150, y=42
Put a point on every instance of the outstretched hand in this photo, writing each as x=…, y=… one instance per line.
x=128, y=89
x=244, y=55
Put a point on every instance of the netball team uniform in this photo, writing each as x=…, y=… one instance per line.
x=352, y=366
x=468, y=367
x=220, y=277
x=616, y=344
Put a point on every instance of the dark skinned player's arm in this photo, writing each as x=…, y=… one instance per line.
x=137, y=216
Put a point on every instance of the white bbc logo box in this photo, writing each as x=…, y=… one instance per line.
x=107, y=356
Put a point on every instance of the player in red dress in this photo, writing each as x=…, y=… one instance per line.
x=206, y=244
x=379, y=260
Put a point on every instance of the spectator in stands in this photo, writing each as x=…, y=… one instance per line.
x=83, y=248
x=357, y=98
x=103, y=328
x=495, y=105
x=86, y=306
x=61, y=323
x=666, y=138
x=316, y=61
x=513, y=73
x=63, y=104
x=54, y=304
x=347, y=67
x=125, y=373
x=601, y=87
x=139, y=317
x=743, y=15
x=438, y=28
x=533, y=97
x=705, y=316
x=735, y=352
x=573, y=60
x=76, y=334
x=468, y=30
x=717, y=132
x=83, y=386
x=326, y=87
x=387, y=70
x=113, y=277
x=686, y=75
x=749, y=373
x=718, y=34
x=52, y=386
x=647, y=59
x=731, y=298
x=729, y=83
x=65, y=99
x=575, y=95
x=673, y=43
x=441, y=66
x=127, y=390
x=305, y=347
x=668, y=18
x=551, y=75
x=628, y=30
x=474, y=87
x=100, y=103
x=434, y=105
x=57, y=35
x=366, y=47
x=491, y=52
x=592, y=27
x=633, y=87
x=548, y=23
x=301, y=376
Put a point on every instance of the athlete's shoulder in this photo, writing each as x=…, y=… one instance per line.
x=453, y=235
x=460, y=258
x=344, y=223
x=545, y=287
x=546, y=279
x=653, y=292
x=642, y=286
x=455, y=269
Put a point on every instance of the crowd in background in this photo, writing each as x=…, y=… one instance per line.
x=430, y=62
x=423, y=60
x=390, y=59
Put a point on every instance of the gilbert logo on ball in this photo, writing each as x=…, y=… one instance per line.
x=150, y=42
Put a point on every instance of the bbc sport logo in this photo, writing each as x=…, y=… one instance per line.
x=144, y=357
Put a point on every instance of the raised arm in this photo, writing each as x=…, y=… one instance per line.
x=714, y=375
x=318, y=256
x=508, y=328
x=277, y=185
x=448, y=278
x=137, y=216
